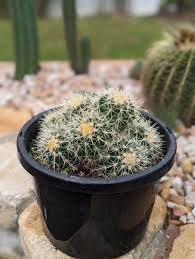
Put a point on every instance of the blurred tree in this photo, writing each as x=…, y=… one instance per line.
x=101, y=7
x=120, y=6
x=3, y=8
x=42, y=7
x=181, y=5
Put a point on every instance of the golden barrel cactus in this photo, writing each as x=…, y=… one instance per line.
x=169, y=75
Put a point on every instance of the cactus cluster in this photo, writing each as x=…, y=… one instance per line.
x=79, y=53
x=168, y=75
x=23, y=15
x=98, y=135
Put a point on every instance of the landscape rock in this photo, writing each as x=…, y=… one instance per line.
x=16, y=186
x=184, y=244
x=177, y=182
x=188, y=187
x=174, y=222
x=178, y=199
x=190, y=216
x=37, y=246
x=187, y=166
x=164, y=185
x=165, y=194
x=165, y=248
x=10, y=246
x=183, y=219
x=180, y=210
x=190, y=199
x=11, y=119
x=193, y=211
x=56, y=80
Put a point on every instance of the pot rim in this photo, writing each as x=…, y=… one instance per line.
x=95, y=185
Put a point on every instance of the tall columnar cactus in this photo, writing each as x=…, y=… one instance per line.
x=169, y=77
x=85, y=53
x=79, y=52
x=23, y=14
x=98, y=135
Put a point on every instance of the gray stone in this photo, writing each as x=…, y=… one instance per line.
x=10, y=245
x=177, y=182
x=16, y=186
x=190, y=199
x=183, y=219
x=184, y=244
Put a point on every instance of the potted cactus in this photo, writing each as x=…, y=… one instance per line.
x=96, y=162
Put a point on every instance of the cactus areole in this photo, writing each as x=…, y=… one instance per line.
x=96, y=162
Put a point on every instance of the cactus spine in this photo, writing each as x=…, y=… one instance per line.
x=98, y=135
x=79, y=53
x=168, y=76
x=23, y=14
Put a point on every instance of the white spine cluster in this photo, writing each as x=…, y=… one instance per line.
x=98, y=135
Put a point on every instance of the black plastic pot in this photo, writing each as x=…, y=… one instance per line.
x=94, y=218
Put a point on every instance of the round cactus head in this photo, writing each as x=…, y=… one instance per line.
x=98, y=135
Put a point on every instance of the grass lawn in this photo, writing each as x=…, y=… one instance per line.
x=117, y=37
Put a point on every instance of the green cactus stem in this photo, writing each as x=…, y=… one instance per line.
x=168, y=75
x=25, y=37
x=79, y=58
x=85, y=54
x=69, y=14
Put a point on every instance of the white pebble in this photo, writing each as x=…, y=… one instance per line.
x=183, y=219
x=193, y=159
x=193, y=173
x=190, y=199
x=164, y=179
x=177, y=182
x=171, y=204
x=188, y=187
x=190, y=216
x=173, y=191
x=191, y=222
x=193, y=211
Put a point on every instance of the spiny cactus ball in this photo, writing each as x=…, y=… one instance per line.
x=168, y=75
x=98, y=135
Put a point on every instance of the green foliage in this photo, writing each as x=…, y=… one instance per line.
x=136, y=70
x=181, y=5
x=98, y=135
x=79, y=58
x=23, y=14
x=169, y=78
x=3, y=8
x=121, y=43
